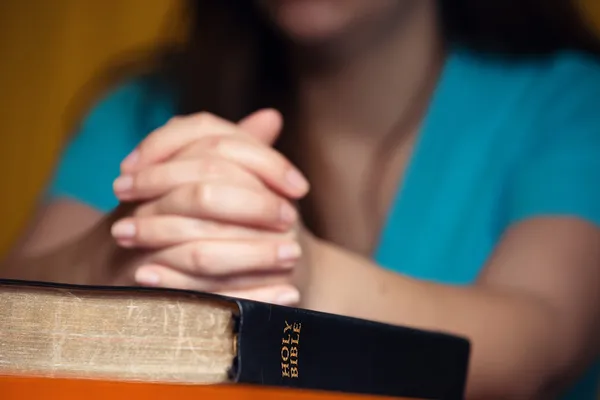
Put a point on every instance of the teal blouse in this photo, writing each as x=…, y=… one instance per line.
x=503, y=141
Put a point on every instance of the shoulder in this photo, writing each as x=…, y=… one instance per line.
x=536, y=120
x=563, y=100
x=138, y=105
x=532, y=98
x=555, y=126
x=568, y=85
x=122, y=117
x=568, y=67
x=118, y=121
x=542, y=85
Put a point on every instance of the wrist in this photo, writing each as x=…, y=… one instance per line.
x=92, y=259
x=78, y=262
x=331, y=272
x=94, y=250
x=71, y=263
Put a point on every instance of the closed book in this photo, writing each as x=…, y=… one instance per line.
x=192, y=338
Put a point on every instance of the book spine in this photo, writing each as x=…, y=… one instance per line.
x=290, y=347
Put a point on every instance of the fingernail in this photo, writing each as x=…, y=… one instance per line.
x=287, y=213
x=296, y=180
x=287, y=298
x=131, y=159
x=147, y=277
x=289, y=252
x=123, y=230
x=123, y=184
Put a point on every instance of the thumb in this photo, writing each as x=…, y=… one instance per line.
x=265, y=125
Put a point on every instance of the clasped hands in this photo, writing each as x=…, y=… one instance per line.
x=211, y=209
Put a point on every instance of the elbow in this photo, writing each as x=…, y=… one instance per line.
x=542, y=358
x=534, y=385
x=571, y=349
x=557, y=378
x=540, y=384
x=546, y=384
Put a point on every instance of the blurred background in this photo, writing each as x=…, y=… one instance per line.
x=52, y=53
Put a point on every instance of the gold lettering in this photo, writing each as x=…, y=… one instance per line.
x=290, y=350
x=285, y=370
x=287, y=327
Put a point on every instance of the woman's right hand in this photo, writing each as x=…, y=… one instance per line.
x=210, y=208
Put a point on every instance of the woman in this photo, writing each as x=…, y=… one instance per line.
x=444, y=158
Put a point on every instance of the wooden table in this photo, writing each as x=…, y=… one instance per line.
x=15, y=388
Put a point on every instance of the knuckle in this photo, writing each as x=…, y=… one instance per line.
x=202, y=146
x=154, y=177
x=146, y=231
x=202, y=195
x=151, y=146
x=272, y=254
x=168, y=173
x=202, y=118
x=209, y=166
x=201, y=115
x=197, y=228
x=272, y=207
x=146, y=145
x=212, y=142
x=141, y=180
x=282, y=162
x=198, y=259
x=178, y=201
x=175, y=120
x=165, y=175
x=155, y=138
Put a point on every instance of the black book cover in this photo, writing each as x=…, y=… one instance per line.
x=283, y=346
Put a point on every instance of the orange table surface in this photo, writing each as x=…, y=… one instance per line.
x=28, y=388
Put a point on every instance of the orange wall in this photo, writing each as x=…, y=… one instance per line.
x=592, y=8
x=48, y=52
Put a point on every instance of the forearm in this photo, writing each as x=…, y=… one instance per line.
x=54, y=265
x=514, y=355
x=83, y=260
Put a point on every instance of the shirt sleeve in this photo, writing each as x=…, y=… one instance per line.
x=562, y=175
x=90, y=161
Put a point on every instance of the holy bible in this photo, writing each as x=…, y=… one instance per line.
x=192, y=338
